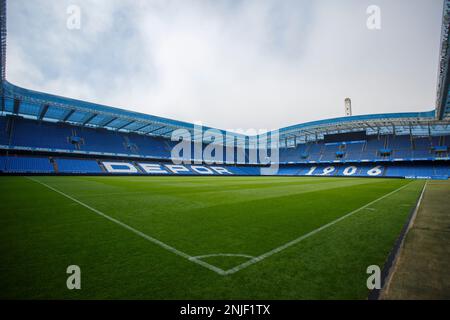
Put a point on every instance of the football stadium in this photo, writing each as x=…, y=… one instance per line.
x=154, y=208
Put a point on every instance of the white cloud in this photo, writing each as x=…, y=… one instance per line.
x=230, y=64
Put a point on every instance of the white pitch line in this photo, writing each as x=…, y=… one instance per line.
x=223, y=255
x=293, y=242
x=139, y=233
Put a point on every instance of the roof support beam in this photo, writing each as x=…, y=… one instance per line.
x=142, y=127
x=89, y=118
x=125, y=125
x=43, y=111
x=368, y=125
x=68, y=114
x=168, y=132
x=307, y=132
x=154, y=130
x=107, y=122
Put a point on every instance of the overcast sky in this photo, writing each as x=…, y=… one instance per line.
x=231, y=64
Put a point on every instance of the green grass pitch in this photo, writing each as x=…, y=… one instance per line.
x=198, y=237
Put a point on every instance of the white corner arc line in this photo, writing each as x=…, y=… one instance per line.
x=303, y=237
x=223, y=255
x=135, y=231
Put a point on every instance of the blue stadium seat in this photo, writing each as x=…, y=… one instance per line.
x=22, y=164
x=20, y=133
x=77, y=166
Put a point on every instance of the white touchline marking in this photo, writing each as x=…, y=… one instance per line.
x=139, y=233
x=293, y=242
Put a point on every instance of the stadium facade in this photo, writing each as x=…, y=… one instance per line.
x=42, y=133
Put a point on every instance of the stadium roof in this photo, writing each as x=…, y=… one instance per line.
x=415, y=123
x=47, y=107
x=43, y=106
x=443, y=93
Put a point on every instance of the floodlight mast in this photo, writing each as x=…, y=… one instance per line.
x=348, y=107
x=3, y=39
